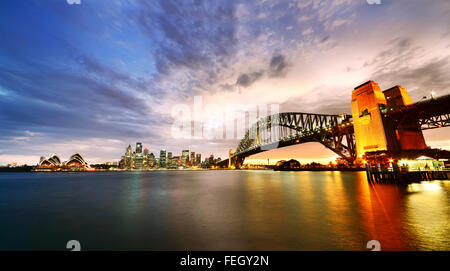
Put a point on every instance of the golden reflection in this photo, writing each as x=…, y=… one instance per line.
x=428, y=215
x=265, y=210
x=424, y=186
x=382, y=210
x=338, y=212
x=365, y=205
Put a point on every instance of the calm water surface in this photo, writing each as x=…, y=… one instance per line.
x=220, y=210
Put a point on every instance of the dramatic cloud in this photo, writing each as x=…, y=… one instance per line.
x=277, y=66
x=245, y=80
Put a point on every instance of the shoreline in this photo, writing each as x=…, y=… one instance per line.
x=173, y=170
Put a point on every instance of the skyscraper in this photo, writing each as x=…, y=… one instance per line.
x=129, y=151
x=185, y=157
x=198, y=159
x=169, y=159
x=139, y=159
x=128, y=157
x=176, y=161
x=151, y=160
x=162, y=159
x=138, y=147
x=145, y=156
x=192, y=159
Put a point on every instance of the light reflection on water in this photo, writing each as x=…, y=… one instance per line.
x=220, y=210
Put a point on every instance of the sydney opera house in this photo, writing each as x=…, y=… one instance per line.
x=53, y=163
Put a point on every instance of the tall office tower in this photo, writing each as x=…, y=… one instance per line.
x=151, y=160
x=192, y=159
x=138, y=147
x=145, y=163
x=162, y=159
x=128, y=157
x=133, y=160
x=139, y=159
x=185, y=157
x=176, y=161
x=198, y=159
x=122, y=162
x=169, y=159
x=129, y=151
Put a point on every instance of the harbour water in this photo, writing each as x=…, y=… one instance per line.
x=220, y=210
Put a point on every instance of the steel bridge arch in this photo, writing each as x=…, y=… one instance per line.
x=291, y=128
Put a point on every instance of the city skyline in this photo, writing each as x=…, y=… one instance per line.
x=145, y=159
x=139, y=149
x=89, y=82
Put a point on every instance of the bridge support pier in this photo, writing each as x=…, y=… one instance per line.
x=237, y=162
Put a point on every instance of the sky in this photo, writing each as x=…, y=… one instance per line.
x=97, y=76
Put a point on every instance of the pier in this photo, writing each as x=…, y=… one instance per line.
x=395, y=175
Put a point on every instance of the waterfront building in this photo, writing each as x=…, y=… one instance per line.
x=145, y=159
x=138, y=147
x=122, y=162
x=162, y=159
x=198, y=159
x=128, y=157
x=185, y=157
x=176, y=162
x=151, y=160
x=138, y=159
x=169, y=160
x=192, y=159
x=51, y=163
x=76, y=162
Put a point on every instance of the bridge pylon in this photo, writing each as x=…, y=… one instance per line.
x=374, y=130
x=235, y=162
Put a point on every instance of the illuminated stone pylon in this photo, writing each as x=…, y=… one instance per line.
x=407, y=135
x=367, y=104
x=374, y=130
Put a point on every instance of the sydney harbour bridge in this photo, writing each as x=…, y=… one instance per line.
x=386, y=122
